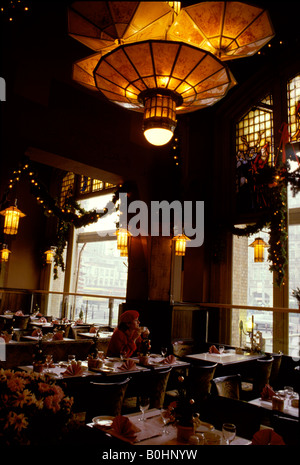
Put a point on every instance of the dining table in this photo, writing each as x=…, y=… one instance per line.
x=228, y=357
x=151, y=431
x=267, y=404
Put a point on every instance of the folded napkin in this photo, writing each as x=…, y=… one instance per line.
x=128, y=365
x=42, y=320
x=58, y=336
x=267, y=437
x=73, y=369
x=125, y=428
x=92, y=329
x=19, y=313
x=169, y=360
x=267, y=393
x=79, y=322
x=37, y=333
x=213, y=350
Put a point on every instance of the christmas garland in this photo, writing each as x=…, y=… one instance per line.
x=271, y=183
x=70, y=214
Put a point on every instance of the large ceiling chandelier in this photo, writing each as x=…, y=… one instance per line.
x=159, y=59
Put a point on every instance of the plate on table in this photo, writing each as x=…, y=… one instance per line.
x=113, y=359
x=204, y=427
x=211, y=438
x=104, y=422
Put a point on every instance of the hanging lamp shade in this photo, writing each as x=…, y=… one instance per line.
x=4, y=253
x=102, y=26
x=180, y=244
x=227, y=29
x=162, y=78
x=259, y=246
x=11, y=219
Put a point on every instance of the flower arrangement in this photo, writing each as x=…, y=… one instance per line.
x=34, y=410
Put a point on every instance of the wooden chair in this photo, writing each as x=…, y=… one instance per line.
x=252, y=387
x=227, y=386
x=199, y=381
x=105, y=398
x=154, y=385
x=21, y=321
x=275, y=370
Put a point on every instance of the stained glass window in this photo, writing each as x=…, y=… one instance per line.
x=67, y=187
x=293, y=94
x=88, y=185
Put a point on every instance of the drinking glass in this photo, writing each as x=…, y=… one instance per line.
x=228, y=432
x=144, y=403
x=221, y=349
x=48, y=362
x=289, y=391
x=163, y=351
x=123, y=354
x=71, y=358
x=165, y=416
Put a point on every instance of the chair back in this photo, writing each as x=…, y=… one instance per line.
x=275, y=369
x=262, y=374
x=247, y=417
x=199, y=381
x=158, y=386
x=105, y=398
x=21, y=321
x=227, y=386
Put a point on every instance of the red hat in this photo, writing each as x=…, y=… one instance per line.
x=129, y=316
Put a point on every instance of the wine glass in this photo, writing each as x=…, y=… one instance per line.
x=144, y=403
x=165, y=416
x=289, y=391
x=123, y=354
x=71, y=358
x=221, y=349
x=228, y=432
x=48, y=362
x=163, y=351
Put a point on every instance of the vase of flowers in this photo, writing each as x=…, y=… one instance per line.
x=296, y=294
x=34, y=410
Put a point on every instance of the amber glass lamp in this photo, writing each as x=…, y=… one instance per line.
x=122, y=238
x=259, y=246
x=49, y=255
x=4, y=253
x=11, y=219
x=180, y=244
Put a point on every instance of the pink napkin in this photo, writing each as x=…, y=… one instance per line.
x=169, y=360
x=267, y=392
x=128, y=365
x=37, y=333
x=267, y=437
x=58, y=336
x=19, y=313
x=42, y=320
x=125, y=428
x=213, y=350
x=92, y=329
x=73, y=369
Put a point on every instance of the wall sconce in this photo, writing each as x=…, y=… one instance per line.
x=11, y=219
x=4, y=253
x=49, y=255
x=259, y=246
x=123, y=241
x=180, y=244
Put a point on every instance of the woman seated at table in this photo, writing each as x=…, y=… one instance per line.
x=127, y=336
